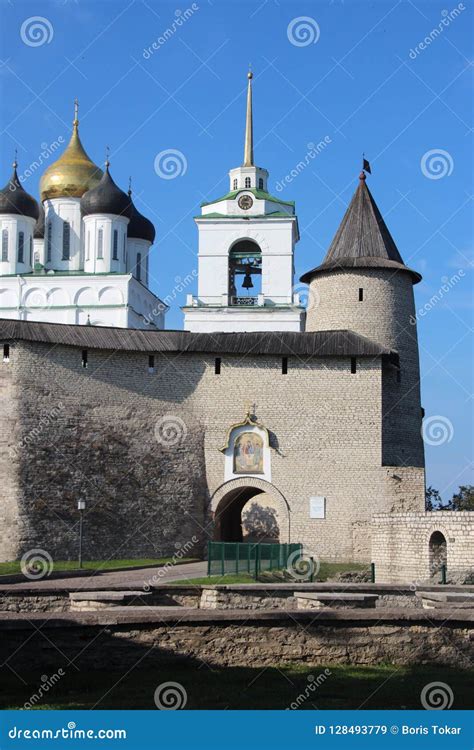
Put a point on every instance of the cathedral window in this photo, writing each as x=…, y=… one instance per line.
x=66, y=241
x=125, y=248
x=247, y=182
x=260, y=184
x=115, y=246
x=84, y=358
x=151, y=363
x=234, y=185
x=88, y=246
x=217, y=366
x=5, y=244
x=139, y=266
x=21, y=247
x=6, y=352
x=100, y=243
x=31, y=250
x=284, y=365
x=49, y=236
x=361, y=295
x=353, y=365
x=399, y=376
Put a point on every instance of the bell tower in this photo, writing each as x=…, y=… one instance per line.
x=245, y=261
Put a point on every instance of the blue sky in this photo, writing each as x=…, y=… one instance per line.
x=356, y=75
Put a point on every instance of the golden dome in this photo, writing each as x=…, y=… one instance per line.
x=73, y=173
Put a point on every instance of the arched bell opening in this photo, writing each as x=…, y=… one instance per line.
x=245, y=273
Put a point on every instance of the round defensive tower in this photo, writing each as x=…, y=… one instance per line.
x=364, y=286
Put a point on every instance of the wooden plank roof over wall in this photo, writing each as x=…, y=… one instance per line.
x=319, y=343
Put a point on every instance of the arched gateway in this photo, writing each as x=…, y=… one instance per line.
x=229, y=500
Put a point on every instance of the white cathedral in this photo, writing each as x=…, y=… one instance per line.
x=81, y=256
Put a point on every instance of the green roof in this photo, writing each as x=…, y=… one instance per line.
x=257, y=193
x=274, y=215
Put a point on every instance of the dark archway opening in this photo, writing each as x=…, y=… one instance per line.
x=239, y=520
x=438, y=551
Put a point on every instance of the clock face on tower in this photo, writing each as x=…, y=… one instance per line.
x=245, y=202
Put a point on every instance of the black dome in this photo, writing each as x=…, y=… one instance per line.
x=106, y=198
x=15, y=200
x=38, y=233
x=140, y=227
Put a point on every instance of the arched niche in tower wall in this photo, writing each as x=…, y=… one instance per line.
x=245, y=271
x=247, y=451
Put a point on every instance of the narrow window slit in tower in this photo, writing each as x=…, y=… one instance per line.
x=151, y=363
x=6, y=352
x=361, y=295
x=284, y=365
x=217, y=366
x=353, y=365
x=399, y=376
x=84, y=357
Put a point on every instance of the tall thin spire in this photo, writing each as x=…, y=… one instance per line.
x=248, y=148
x=76, y=113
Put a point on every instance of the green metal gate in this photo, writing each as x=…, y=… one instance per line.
x=226, y=558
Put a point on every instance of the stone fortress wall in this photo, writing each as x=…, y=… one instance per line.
x=409, y=546
x=144, y=449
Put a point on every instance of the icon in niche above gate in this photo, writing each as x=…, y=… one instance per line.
x=248, y=453
x=247, y=450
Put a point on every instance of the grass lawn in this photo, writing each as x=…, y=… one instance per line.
x=374, y=687
x=327, y=570
x=96, y=565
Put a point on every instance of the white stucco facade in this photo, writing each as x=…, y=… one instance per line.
x=269, y=230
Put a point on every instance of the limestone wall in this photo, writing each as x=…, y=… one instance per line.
x=386, y=314
x=143, y=449
x=401, y=544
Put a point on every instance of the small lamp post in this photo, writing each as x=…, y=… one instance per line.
x=81, y=506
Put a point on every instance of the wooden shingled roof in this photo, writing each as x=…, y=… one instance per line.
x=317, y=344
x=362, y=240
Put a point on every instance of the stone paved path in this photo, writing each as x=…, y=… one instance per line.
x=114, y=578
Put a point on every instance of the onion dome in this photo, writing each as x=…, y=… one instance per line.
x=363, y=240
x=73, y=173
x=106, y=198
x=140, y=228
x=38, y=233
x=15, y=200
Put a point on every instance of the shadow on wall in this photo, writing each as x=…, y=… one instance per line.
x=260, y=524
x=161, y=666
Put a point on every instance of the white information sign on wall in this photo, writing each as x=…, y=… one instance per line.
x=317, y=507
